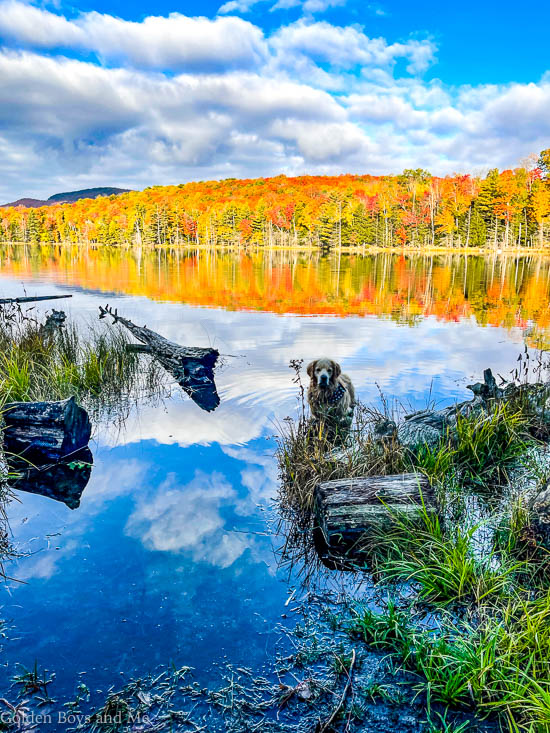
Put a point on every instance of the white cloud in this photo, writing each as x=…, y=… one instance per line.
x=238, y=6
x=347, y=47
x=308, y=6
x=194, y=98
x=189, y=519
x=175, y=42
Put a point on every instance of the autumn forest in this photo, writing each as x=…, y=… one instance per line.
x=508, y=209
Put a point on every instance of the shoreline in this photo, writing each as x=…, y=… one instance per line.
x=357, y=250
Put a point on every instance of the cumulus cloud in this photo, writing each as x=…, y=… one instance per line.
x=175, y=98
x=174, y=42
x=189, y=519
x=307, y=6
x=238, y=6
x=347, y=47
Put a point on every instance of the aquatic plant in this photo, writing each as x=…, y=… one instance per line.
x=41, y=361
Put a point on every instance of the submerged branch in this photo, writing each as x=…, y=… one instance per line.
x=191, y=366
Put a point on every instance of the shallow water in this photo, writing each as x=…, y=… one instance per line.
x=170, y=557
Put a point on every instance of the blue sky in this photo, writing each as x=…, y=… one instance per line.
x=478, y=42
x=97, y=93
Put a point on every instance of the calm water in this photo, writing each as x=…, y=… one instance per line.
x=169, y=557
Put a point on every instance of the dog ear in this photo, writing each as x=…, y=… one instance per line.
x=311, y=368
x=336, y=370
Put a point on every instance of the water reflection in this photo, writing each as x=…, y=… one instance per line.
x=498, y=290
x=169, y=556
x=63, y=481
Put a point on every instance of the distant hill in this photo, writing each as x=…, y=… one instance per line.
x=86, y=193
x=28, y=203
x=68, y=197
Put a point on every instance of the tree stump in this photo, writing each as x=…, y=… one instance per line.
x=45, y=432
x=347, y=510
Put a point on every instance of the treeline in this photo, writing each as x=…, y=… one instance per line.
x=504, y=209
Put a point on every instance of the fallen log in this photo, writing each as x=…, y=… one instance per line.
x=63, y=481
x=192, y=367
x=348, y=510
x=45, y=432
x=6, y=301
x=429, y=427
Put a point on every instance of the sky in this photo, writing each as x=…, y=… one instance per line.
x=100, y=93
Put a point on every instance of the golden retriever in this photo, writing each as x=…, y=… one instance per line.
x=330, y=394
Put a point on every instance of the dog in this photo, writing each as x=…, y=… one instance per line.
x=331, y=396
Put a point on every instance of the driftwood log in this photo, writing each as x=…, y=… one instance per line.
x=347, y=510
x=192, y=367
x=6, y=301
x=63, y=481
x=45, y=432
x=429, y=427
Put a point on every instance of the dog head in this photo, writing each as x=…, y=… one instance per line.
x=324, y=372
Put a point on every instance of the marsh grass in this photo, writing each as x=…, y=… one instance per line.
x=442, y=563
x=474, y=566
x=390, y=630
x=482, y=449
x=500, y=665
x=41, y=363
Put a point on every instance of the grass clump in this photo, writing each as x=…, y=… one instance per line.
x=443, y=565
x=501, y=665
x=481, y=448
x=41, y=361
x=390, y=630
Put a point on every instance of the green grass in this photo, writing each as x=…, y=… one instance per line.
x=483, y=447
x=440, y=724
x=500, y=665
x=444, y=566
x=89, y=362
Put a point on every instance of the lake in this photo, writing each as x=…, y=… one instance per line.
x=170, y=557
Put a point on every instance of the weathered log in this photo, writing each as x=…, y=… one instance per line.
x=429, y=427
x=191, y=366
x=43, y=432
x=5, y=301
x=63, y=481
x=348, y=510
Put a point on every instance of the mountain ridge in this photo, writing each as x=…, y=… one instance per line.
x=67, y=197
